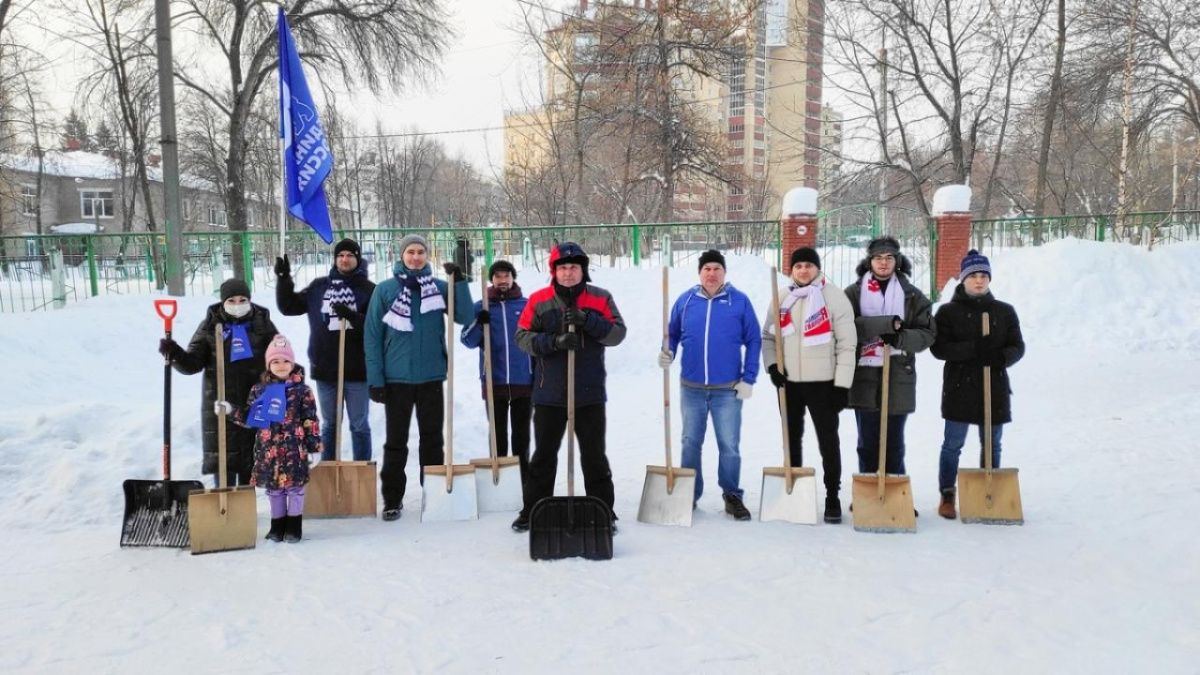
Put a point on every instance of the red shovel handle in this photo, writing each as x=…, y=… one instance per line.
x=166, y=311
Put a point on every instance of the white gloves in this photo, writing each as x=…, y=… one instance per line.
x=743, y=390
x=222, y=408
x=665, y=357
x=314, y=458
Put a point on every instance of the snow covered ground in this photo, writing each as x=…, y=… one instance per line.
x=1103, y=577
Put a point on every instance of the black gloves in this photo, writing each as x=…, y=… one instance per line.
x=169, y=348
x=483, y=317
x=378, y=394
x=567, y=341
x=453, y=271
x=344, y=311
x=777, y=378
x=841, y=398
x=283, y=267
x=991, y=356
x=892, y=339
x=573, y=316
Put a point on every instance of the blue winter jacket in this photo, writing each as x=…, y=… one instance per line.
x=510, y=366
x=713, y=332
x=416, y=356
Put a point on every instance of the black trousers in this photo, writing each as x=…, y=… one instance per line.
x=519, y=411
x=817, y=397
x=402, y=399
x=549, y=425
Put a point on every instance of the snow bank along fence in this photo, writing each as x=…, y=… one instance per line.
x=49, y=271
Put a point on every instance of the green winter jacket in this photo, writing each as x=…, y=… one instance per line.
x=410, y=357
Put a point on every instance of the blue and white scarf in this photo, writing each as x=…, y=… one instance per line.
x=239, y=342
x=399, y=315
x=338, y=292
x=270, y=407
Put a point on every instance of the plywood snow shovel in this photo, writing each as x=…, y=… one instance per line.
x=668, y=493
x=449, y=492
x=156, y=510
x=883, y=502
x=570, y=527
x=789, y=493
x=987, y=495
x=340, y=489
x=225, y=518
x=497, y=479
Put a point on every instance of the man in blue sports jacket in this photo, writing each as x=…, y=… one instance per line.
x=716, y=326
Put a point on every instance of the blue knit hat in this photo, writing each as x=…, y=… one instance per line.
x=974, y=262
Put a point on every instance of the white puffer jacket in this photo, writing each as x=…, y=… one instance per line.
x=833, y=360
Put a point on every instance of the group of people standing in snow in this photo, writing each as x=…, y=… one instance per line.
x=832, y=344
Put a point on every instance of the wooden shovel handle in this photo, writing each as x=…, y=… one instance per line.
x=781, y=392
x=987, y=405
x=219, y=344
x=341, y=383
x=449, y=449
x=487, y=379
x=885, y=387
x=666, y=343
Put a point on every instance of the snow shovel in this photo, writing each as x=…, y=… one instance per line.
x=668, y=493
x=156, y=510
x=440, y=500
x=989, y=496
x=224, y=518
x=570, y=527
x=883, y=502
x=789, y=493
x=497, y=479
x=340, y=489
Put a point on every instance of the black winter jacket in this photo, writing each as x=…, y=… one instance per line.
x=240, y=376
x=322, y=342
x=959, y=329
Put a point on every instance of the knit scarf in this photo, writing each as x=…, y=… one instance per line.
x=818, y=329
x=873, y=301
x=399, y=315
x=338, y=292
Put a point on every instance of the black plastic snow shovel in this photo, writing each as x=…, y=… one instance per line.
x=570, y=527
x=156, y=510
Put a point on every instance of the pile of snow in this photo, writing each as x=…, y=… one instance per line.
x=1097, y=579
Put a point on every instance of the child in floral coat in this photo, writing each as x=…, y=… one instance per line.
x=283, y=410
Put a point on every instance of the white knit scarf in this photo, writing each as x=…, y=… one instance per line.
x=399, y=315
x=818, y=329
x=873, y=302
x=338, y=292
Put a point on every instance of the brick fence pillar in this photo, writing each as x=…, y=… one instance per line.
x=799, y=224
x=952, y=214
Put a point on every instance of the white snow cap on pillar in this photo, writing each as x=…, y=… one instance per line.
x=800, y=201
x=952, y=199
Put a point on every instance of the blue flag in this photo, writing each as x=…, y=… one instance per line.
x=306, y=156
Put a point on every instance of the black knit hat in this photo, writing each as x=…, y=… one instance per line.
x=232, y=287
x=348, y=245
x=712, y=255
x=806, y=254
x=502, y=266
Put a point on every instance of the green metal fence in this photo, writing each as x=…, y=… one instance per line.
x=41, y=272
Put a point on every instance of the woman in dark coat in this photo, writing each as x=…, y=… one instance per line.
x=961, y=344
x=248, y=332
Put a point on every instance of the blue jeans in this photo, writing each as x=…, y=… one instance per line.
x=357, y=403
x=868, y=441
x=726, y=411
x=952, y=444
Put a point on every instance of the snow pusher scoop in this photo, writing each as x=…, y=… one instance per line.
x=789, y=493
x=497, y=479
x=156, y=511
x=224, y=518
x=988, y=495
x=570, y=527
x=338, y=489
x=449, y=492
x=668, y=493
x=883, y=502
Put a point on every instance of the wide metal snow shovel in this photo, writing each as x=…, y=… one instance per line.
x=449, y=492
x=789, y=493
x=883, y=502
x=156, y=510
x=668, y=493
x=338, y=489
x=570, y=527
x=991, y=496
x=224, y=518
x=497, y=479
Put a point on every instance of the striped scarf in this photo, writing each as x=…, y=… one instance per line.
x=399, y=315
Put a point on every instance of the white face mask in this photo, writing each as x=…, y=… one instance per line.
x=237, y=311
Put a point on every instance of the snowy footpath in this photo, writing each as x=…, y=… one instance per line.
x=1103, y=577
